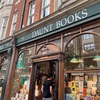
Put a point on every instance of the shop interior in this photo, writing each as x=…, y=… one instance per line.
x=82, y=68
x=43, y=69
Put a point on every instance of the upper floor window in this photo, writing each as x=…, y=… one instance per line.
x=45, y=8
x=64, y=3
x=89, y=46
x=31, y=13
x=13, y=26
x=9, y=1
x=2, y=3
x=87, y=36
x=3, y=27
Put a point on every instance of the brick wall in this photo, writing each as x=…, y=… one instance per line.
x=38, y=10
x=51, y=6
x=26, y=12
x=15, y=8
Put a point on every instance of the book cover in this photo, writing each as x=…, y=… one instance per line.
x=90, y=98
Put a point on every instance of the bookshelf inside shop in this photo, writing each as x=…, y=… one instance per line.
x=41, y=77
x=82, y=84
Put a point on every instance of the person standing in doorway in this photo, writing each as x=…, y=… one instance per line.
x=47, y=88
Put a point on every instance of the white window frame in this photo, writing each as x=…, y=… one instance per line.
x=89, y=46
x=87, y=36
x=31, y=13
x=9, y=1
x=13, y=26
x=44, y=8
x=4, y=27
x=2, y=3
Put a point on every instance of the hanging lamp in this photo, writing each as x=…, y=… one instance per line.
x=96, y=58
x=74, y=60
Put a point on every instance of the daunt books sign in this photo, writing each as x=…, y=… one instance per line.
x=69, y=21
x=61, y=23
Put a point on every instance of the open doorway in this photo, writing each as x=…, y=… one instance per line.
x=40, y=75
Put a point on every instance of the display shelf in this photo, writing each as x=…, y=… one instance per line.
x=84, y=84
x=22, y=73
x=82, y=70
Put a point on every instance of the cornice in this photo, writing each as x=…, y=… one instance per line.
x=5, y=40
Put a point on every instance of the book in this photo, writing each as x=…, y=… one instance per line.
x=94, y=78
x=90, y=98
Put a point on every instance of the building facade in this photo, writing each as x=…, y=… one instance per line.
x=61, y=37
x=5, y=10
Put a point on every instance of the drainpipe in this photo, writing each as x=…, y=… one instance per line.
x=23, y=11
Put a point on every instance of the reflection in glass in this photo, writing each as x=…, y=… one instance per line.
x=84, y=52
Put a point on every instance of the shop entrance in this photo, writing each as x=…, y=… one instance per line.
x=41, y=69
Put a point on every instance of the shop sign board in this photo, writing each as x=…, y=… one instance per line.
x=63, y=23
x=4, y=46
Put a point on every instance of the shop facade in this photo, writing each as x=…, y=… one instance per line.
x=68, y=47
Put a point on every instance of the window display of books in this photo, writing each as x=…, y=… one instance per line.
x=20, y=89
x=84, y=87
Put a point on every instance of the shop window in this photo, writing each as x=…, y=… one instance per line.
x=82, y=86
x=3, y=67
x=76, y=51
x=57, y=42
x=82, y=69
x=45, y=8
x=3, y=27
x=21, y=83
x=14, y=20
x=31, y=13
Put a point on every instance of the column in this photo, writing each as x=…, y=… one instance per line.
x=61, y=79
x=11, y=71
